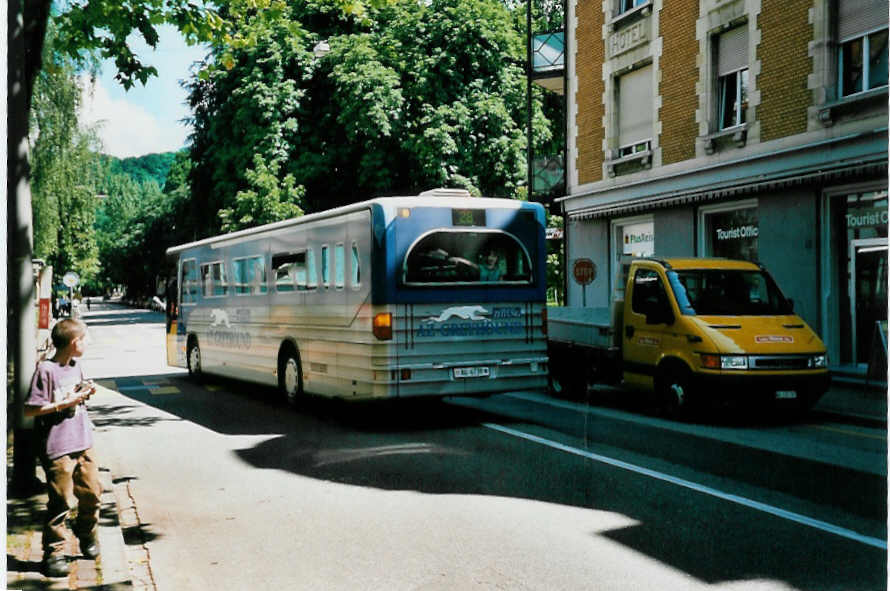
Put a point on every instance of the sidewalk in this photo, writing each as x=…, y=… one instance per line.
x=849, y=401
x=24, y=553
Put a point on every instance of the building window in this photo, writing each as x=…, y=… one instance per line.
x=628, y=5
x=862, y=47
x=635, y=106
x=731, y=230
x=857, y=74
x=732, y=77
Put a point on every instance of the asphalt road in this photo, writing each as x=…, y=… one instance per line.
x=236, y=490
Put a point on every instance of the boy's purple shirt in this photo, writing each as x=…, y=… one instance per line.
x=51, y=383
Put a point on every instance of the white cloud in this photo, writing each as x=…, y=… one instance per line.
x=127, y=129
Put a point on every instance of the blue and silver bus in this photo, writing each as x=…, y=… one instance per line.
x=430, y=295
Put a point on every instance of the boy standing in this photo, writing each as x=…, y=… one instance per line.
x=57, y=396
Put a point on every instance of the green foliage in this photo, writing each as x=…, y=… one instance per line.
x=143, y=168
x=62, y=171
x=410, y=96
x=269, y=199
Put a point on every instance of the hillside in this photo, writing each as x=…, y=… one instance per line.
x=154, y=167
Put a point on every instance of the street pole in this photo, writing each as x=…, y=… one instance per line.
x=21, y=317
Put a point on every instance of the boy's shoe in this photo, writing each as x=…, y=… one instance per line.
x=55, y=566
x=89, y=547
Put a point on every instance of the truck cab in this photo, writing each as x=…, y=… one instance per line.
x=695, y=329
x=709, y=327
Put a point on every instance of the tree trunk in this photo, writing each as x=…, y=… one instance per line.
x=25, y=38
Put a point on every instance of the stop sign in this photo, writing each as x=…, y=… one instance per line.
x=584, y=271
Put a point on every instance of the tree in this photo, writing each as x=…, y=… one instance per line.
x=90, y=28
x=62, y=154
x=413, y=95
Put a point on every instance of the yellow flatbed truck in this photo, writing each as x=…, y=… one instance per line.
x=692, y=330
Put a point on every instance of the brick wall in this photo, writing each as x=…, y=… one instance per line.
x=679, y=74
x=784, y=66
x=589, y=97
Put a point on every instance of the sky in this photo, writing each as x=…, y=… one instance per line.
x=146, y=119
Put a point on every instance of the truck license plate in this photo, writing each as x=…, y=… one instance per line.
x=785, y=394
x=471, y=372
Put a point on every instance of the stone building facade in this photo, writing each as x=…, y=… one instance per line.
x=738, y=128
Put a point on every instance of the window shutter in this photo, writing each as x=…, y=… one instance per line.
x=732, y=50
x=856, y=17
x=635, y=106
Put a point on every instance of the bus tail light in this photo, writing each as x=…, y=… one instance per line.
x=544, y=320
x=383, y=326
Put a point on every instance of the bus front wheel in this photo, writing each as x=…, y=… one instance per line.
x=194, y=359
x=290, y=377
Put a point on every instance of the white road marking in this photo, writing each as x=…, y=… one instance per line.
x=776, y=511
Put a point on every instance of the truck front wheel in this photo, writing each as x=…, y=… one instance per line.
x=673, y=389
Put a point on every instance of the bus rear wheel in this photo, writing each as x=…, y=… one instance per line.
x=194, y=360
x=290, y=377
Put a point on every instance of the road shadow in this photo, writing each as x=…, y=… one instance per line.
x=433, y=447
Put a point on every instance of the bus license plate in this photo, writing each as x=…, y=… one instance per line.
x=785, y=394
x=471, y=372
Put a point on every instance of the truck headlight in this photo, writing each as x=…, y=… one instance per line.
x=818, y=361
x=733, y=362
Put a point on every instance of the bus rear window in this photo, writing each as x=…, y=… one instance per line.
x=457, y=257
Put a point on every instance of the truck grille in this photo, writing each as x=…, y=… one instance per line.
x=779, y=362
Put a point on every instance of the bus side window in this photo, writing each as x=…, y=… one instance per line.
x=213, y=277
x=339, y=266
x=356, y=269
x=189, y=282
x=311, y=275
x=250, y=275
x=325, y=266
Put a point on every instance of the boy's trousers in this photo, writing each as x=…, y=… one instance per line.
x=71, y=481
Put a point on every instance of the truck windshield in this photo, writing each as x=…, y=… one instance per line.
x=722, y=292
x=464, y=257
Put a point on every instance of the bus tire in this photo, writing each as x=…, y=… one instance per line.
x=290, y=375
x=193, y=360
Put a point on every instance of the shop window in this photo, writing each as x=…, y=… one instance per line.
x=635, y=106
x=731, y=231
x=732, y=77
x=632, y=237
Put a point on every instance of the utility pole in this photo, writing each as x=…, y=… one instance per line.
x=21, y=317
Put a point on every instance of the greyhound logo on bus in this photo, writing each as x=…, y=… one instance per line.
x=219, y=318
x=462, y=312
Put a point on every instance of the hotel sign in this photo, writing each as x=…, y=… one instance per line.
x=628, y=38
